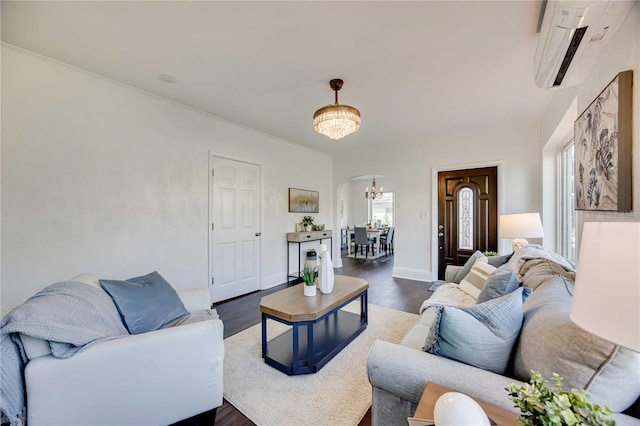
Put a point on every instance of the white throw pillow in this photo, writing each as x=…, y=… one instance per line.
x=87, y=278
x=34, y=347
x=474, y=281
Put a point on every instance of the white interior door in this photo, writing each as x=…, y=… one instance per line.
x=234, y=248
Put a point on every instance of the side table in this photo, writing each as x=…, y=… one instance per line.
x=433, y=391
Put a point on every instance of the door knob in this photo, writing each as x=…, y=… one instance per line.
x=440, y=227
x=258, y=234
x=440, y=234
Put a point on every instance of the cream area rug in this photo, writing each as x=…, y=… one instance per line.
x=338, y=394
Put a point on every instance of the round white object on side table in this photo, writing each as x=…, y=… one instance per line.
x=457, y=409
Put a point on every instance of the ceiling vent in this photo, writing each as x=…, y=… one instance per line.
x=572, y=36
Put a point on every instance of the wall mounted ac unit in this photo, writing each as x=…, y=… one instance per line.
x=572, y=36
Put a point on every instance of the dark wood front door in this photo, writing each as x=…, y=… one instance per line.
x=467, y=215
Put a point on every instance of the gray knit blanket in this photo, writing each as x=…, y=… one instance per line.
x=71, y=316
x=534, y=251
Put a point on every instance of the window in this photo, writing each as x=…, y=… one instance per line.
x=381, y=210
x=465, y=219
x=567, y=212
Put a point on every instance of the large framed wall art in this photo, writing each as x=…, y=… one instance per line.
x=303, y=201
x=603, y=141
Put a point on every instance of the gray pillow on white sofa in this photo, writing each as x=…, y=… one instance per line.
x=145, y=303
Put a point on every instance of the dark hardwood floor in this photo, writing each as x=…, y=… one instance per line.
x=401, y=294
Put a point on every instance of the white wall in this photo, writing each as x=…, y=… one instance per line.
x=408, y=172
x=99, y=177
x=359, y=208
x=343, y=205
x=622, y=53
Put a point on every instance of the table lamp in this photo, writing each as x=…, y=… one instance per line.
x=520, y=226
x=606, y=300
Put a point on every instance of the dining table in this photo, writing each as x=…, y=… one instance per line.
x=371, y=232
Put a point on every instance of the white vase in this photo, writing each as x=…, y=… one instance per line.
x=309, y=290
x=325, y=273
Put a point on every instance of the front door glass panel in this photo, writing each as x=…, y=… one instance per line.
x=465, y=219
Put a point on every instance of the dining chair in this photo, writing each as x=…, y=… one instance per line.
x=386, y=241
x=363, y=240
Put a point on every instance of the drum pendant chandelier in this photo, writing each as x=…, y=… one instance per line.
x=336, y=121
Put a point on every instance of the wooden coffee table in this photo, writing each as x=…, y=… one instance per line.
x=319, y=327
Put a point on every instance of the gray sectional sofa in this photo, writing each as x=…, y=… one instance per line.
x=548, y=342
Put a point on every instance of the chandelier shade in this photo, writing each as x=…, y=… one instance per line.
x=336, y=121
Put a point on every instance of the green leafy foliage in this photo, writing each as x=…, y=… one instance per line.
x=309, y=275
x=307, y=220
x=544, y=406
x=491, y=253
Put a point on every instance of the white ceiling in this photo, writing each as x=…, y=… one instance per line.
x=415, y=70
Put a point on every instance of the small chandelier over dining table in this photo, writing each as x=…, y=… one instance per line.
x=374, y=193
x=336, y=121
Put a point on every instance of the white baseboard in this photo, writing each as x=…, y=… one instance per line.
x=412, y=274
x=273, y=280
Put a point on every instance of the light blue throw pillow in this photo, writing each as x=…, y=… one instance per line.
x=467, y=266
x=501, y=281
x=479, y=335
x=145, y=303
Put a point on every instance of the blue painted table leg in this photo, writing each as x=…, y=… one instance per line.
x=364, y=307
x=295, y=362
x=264, y=335
x=310, y=349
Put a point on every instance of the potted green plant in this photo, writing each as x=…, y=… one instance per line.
x=307, y=221
x=545, y=406
x=309, y=278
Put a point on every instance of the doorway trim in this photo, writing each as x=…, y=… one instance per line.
x=434, y=201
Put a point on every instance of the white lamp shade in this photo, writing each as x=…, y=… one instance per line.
x=521, y=225
x=606, y=301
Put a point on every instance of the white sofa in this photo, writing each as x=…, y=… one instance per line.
x=157, y=377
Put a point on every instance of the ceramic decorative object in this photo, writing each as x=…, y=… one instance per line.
x=457, y=409
x=309, y=290
x=325, y=273
x=309, y=278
